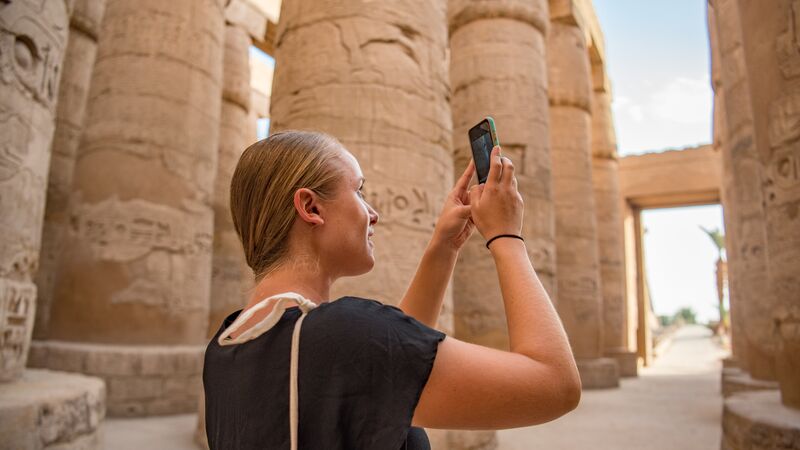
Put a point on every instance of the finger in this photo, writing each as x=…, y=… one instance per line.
x=466, y=177
x=495, y=167
x=508, y=171
x=475, y=194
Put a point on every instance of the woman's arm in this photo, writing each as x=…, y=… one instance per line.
x=423, y=299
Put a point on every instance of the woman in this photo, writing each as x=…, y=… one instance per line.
x=367, y=375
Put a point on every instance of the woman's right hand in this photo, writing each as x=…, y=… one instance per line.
x=496, y=206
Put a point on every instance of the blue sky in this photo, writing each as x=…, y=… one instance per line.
x=657, y=57
x=658, y=60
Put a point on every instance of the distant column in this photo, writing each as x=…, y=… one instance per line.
x=231, y=278
x=73, y=92
x=605, y=181
x=131, y=299
x=578, y=264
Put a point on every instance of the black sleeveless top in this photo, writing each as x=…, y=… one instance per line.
x=362, y=367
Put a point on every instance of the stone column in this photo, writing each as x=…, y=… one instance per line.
x=131, y=299
x=33, y=37
x=766, y=43
x=38, y=409
x=231, y=278
x=375, y=77
x=578, y=265
x=605, y=180
x=503, y=75
x=771, y=45
x=76, y=77
x=745, y=204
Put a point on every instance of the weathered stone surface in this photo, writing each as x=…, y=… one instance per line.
x=758, y=421
x=503, y=75
x=70, y=113
x=33, y=37
x=141, y=380
x=51, y=410
x=736, y=380
x=598, y=373
x=138, y=250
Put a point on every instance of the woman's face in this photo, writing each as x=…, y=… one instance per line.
x=349, y=223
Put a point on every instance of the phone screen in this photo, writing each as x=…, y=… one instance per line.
x=480, y=137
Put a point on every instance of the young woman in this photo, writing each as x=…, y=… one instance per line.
x=367, y=375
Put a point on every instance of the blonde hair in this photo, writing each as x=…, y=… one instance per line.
x=262, y=191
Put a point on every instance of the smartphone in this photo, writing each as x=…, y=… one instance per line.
x=482, y=138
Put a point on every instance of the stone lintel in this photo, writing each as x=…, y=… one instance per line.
x=758, y=420
x=531, y=12
x=141, y=380
x=735, y=380
x=52, y=410
x=245, y=14
x=598, y=373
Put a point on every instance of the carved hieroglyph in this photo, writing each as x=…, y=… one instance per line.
x=579, y=294
x=136, y=259
x=375, y=78
x=503, y=75
x=70, y=112
x=33, y=35
x=230, y=276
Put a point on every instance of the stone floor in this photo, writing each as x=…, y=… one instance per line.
x=675, y=404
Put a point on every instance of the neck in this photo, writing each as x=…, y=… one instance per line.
x=310, y=283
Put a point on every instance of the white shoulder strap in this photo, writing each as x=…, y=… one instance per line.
x=265, y=325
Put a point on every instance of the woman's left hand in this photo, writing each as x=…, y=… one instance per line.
x=454, y=225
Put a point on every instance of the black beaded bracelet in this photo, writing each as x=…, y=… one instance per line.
x=504, y=235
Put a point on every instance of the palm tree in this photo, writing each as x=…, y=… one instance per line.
x=719, y=241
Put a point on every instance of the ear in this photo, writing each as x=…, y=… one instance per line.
x=308, y=206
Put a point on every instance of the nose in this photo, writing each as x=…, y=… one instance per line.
x=373, y=215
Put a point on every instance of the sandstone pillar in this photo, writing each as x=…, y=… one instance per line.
x=503, y=75
x=231, y=278
x=745, y=203
x=33, y=37
x=37, y=409
x=579, y=291
x=76, y=77
x=131, y=299
x=376, y=78
x=771, y=44
x=605, y=180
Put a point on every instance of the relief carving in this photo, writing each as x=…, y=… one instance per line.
x=413, y=207
x=17, y=303
x=166, y=251
x=788, y=44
